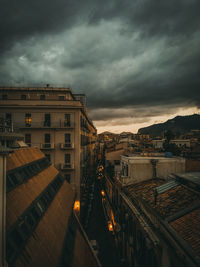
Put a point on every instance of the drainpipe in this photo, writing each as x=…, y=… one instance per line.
x=154, y=164
x=4, y=151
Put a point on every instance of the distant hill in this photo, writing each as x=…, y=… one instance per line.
x=178, y=125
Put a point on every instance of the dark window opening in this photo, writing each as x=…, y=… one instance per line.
x=67, y=140
x=47, y=120
x=61, y=97
x=8, y=117
x=67, y=158
x=16, y=237
x=28, y=139
x=4, y=97
x=23, y=97
x=42, y=97
x=47, y=140
x=48, y=156
x=24, y=228
x=35, y=214
x=67, y=122
x=68, y=177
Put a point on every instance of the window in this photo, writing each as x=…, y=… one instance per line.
x=47, y=140
x=67, y=140
x=4, y=97
x=48, y=156
x=67, y=121
x=28, y=119
x=23, y=97
x=61, y=97
x=68, y=177
x=67, y=158
x=28, y=139
x=8, y=116
x=47, y=120
x=42, y=97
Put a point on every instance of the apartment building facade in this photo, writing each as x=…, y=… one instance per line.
x=57, y=122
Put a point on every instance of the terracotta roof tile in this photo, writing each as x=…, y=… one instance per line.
x=169, y=202
x=22, y=157
x=188, y=227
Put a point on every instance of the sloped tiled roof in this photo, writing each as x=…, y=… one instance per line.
x=21, y=197
x=45, y=246
x=168, y=202
x=22, y=157
x=188, y=227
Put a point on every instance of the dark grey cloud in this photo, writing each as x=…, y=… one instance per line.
x=122, y=54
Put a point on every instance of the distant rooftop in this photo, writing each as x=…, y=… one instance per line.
x=35, y=88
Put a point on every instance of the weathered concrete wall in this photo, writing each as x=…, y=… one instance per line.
x=192, y=165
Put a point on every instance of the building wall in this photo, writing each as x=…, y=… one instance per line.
x=192, y=165
x=57, y=109
x=142, y=168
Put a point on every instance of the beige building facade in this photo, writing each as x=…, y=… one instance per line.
x=137, y=169
x=57, y=122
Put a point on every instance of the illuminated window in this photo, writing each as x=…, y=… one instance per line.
x=28, y=119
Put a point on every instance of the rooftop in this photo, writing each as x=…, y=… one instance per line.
x=176, y=205
x=188, y=227
x=27, y=88
x=168, y=202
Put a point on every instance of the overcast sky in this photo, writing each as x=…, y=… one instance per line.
x=138, y=61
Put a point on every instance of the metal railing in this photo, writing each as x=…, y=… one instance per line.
x=67, y=166
x=47, y=146
x=42, y=124
x=67, y=145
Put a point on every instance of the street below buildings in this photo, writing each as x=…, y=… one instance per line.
x=97, y=230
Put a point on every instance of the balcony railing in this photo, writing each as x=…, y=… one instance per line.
x=47, y=146
x=43, y=124
x=66, y=166
x=67, y=146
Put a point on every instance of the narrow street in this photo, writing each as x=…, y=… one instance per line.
x=98, y=230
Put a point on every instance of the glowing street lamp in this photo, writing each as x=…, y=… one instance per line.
x=110, y=226
x=103, y=193
x=77, y=206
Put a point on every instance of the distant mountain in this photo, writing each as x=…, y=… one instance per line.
x=178, y=125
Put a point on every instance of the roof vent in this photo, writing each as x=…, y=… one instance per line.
x=163, y=188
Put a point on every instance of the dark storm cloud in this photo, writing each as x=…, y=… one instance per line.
x=23, y=18
x=122, y=54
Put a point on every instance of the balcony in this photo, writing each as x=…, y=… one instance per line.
x=66, y=166
x=47, y=146
x=67, y=146
x=44, y=124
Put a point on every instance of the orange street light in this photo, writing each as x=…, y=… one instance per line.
x=103, y=193
x=77, y=205
x=110, y=226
